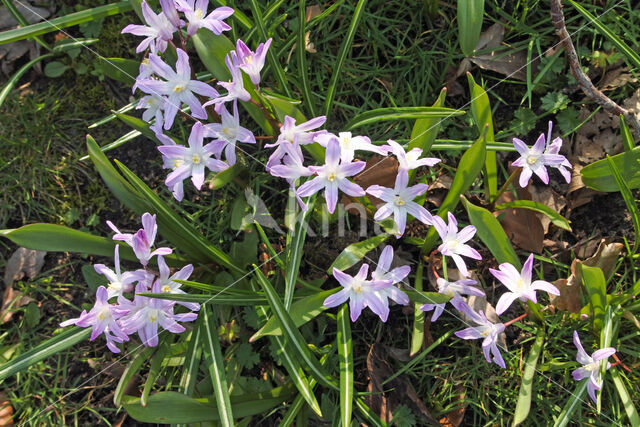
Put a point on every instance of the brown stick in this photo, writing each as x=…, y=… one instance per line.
x=557, y=17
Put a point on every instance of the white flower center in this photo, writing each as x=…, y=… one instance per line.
x=179, y=87
x=357, y=287
x=248, y=60
x=331, y=177
x=345, y=140
x=153, y=315
x=452, y=244
x=399, y=201
x=196, y=158
x=229, y=132
x=104, y=314
x=166, y=289
x=199, y=13
x=116, y=286
x=593, y=366
x=177, y=163
x=289, y=135
x=520, y=285
x=532, y=159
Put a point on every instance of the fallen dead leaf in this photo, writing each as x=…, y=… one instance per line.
x=11, y=301
x=454, y=417
x=6, y=411
x=547, y=197
x=23, y=262
x=379, y=170
x=521, y=225
x=311, y=12
x=615, y=78
x=605, y=258
x=403, y=392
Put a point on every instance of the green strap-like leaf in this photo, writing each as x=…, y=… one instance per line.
x=155, y=368
x=69, y=20
x=192, y=359
x=401, y=113
x=301, y=312
x=468, y=170
x=140, y=357
x=629, y=200
x=58, y=238
x=481, y=111
x=470, y=15
x=424, y=131
x=58, y=343
x=572, y=404
x=170, y=407
x=526, y=387
x=294, y=249
x=215, y=360
x=625, y=133
x=596, y=286
x=13, y=81
x=417, y=335
x=353, y=253
x=625, y=398
x=556, y=219
x=598, y=176
x=292, y=333
x=345, y=355
x=491, y=233
x=120, y=69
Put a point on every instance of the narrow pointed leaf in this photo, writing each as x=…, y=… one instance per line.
x=573, y=403
x=424, y=131
x=417, y=335
x=192, y=360
x=293, y=335
x=625, y=398
x=295, y=246
x=596, y=286
x=141, y=356
x=491, y=233
x=526, y=386
x=155, y=368
x=556, y=219
x=598, y=176
x=58, y=343
x=401, y=113
x=470, y=15
x=353, y=253
x=629, y=200
x=345, y=356
x=215, y=360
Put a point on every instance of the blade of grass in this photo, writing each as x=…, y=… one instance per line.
x=625, y=398
x=572, y=404
x=345, y=353
x=215, y=360
x=298, y=402
x=64, y=21
x=625, y=133
x=295, y=246
x=154, y=370
x=342, y=56
x=13, y=10
x=13, y=81
x=141, y=356
x=192, y=359
x=302, y=60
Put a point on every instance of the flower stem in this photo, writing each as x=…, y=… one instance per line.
x=512, y=321
x=505, y=186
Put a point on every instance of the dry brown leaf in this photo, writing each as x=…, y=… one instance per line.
x=23, y=262
x=605, y=258
x=521, y=225
x=11, y=301
x=6, y=412
x=379, y=170
x=547, y=197
x=454, y=417
x=616, y=78
x=311, y=12
x=383, y=403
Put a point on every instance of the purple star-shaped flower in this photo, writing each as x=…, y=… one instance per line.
x=252, y=62
x=196, y=13
x=177, y=87
x=485, y=329
x=333, y=177
x=158, y=31
x=537, y=158
x=452, y=289
x=383, y=272
x=228, y=133
x=453, y=242
x=591, y=366
x=168, y=284
x=361, y=293
x=119, y=282
x=519, y=284
x=294, y=136
x=103, y=320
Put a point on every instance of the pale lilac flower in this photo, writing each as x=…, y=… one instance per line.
x=396, y=275
x=485, y=329
x=144, y=314
x=399, y=203
x=333, y=177
x=292, y=169
x=191, y=161
x=591, y=366
x=361, y=293
x=169, y=9
x=554, y=149
x=519, y=284
x=235, y=86
x=350, y=144
x=144, y=72
x=292, y=137
x=196, y=13
x=143, y=239
x=103, y=319
x=119, y=282
x=536, y=159
x=252, y=62
x=158, y=31
x=177, y=189
x=154, y=105
x=227, y=133
x=453, y=242
x=178, y=87
x=168, y=284
x=452, y=289
x=409, y=160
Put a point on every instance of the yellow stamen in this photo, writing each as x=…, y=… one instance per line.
x=331, y=177
x=166, y=289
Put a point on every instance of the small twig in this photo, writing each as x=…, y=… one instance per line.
x=557, y=17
